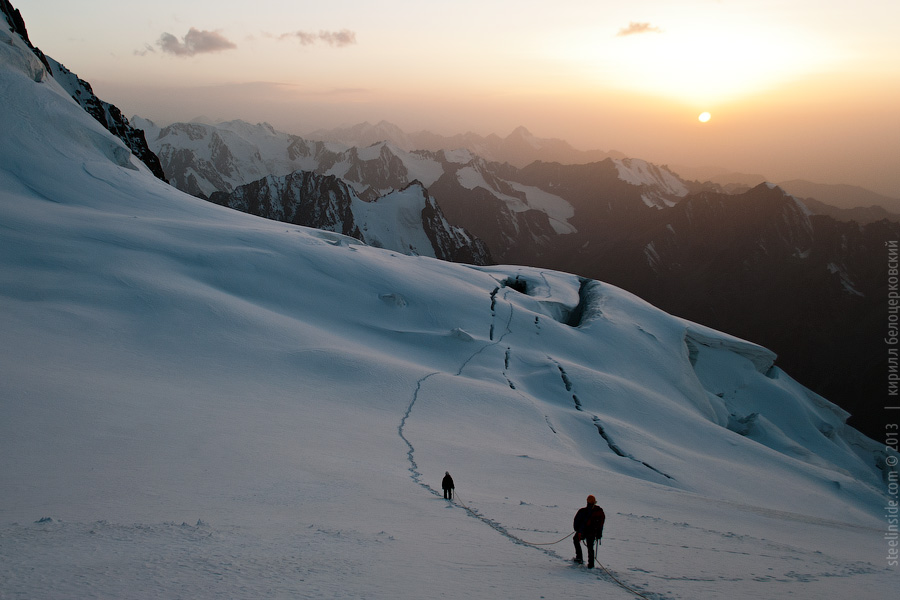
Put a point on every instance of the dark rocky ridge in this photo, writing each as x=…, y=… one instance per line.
x=325, y=202
x=105, y=113
x=809, y=287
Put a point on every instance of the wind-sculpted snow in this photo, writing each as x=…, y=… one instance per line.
x=696, y=335
x=298, y=396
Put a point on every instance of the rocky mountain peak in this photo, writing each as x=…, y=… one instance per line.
x=108, y=115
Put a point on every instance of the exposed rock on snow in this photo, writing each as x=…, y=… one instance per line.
x=408, y=220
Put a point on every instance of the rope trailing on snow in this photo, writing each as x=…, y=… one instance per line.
x=527, y=543
x=622, y=585
x=550, y=543
x=503, y=530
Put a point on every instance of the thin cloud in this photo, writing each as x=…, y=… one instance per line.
x=195, y=42
x=339, y=92
x=339, y=39
x=635, y=28
x=349, y=91
x=147, y=49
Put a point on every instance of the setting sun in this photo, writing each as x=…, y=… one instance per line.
x=704, y=117
x=620, y=76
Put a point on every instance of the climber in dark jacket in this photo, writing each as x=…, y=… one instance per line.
x=588, y=526
x=448, y=486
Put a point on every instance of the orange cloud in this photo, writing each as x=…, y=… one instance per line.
x=635, y=28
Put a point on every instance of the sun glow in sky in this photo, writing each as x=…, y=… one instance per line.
x=801, y=89
x=716, y=56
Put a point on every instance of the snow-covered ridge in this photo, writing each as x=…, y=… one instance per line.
x=407, y=220
x=108, y=115
x=558, y=210
x=662, y=184
x=762, y=358
x=223, y=156
x=202, y=159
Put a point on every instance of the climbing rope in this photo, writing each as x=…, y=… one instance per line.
x=596, y=547
x=622, y=585
x=550, y=543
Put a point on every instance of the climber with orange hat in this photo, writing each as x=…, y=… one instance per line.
x=588, y=526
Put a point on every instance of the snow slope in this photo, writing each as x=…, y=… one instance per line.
x=200, y=403
x=661, y=185
x=557, y=209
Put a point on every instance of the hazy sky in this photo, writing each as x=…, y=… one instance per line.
x=796, y=88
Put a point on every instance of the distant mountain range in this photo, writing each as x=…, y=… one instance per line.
x=842, y=196
x=861, y=214
x=519, y=148
x=407, y=220
x=841, y=201
x=758, y=263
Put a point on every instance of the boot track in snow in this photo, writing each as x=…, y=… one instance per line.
x=416, y=475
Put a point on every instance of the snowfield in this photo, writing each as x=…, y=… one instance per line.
x=198, y=403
